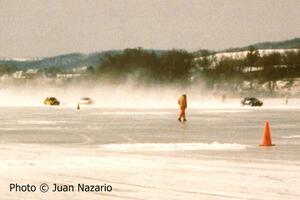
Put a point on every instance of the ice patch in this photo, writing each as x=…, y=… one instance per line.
x=37, y=122
x=33, y=128
x=135, y=113
x=291, y=136
x=226, y=111
x=215, y=146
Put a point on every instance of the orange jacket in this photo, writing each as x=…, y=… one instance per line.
x=182, y=102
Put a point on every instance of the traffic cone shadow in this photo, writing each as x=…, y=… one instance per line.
x=266, y=140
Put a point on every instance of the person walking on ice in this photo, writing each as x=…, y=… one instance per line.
x=182, y=102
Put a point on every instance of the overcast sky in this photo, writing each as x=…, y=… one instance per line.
x=35, y=28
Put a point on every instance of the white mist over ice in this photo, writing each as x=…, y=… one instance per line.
x=125, y=96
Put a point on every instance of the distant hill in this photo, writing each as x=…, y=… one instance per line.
x=79, y=60
x=286, y=44
x=66, y=61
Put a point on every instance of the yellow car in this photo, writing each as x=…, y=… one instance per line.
x=52, y=101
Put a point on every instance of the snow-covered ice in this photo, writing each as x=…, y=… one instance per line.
x=148, y=154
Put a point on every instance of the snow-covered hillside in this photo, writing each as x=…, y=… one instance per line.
x=243, y=54
x=20, y=59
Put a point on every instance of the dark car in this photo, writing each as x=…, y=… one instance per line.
x=251, y=101
x=52, y=101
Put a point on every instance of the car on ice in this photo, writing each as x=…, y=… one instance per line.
x=86, y=101
x=51, y=101
x=251, y=101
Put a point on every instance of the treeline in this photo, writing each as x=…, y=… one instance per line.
x=180, y=66
x=185, y=68
x=147, y=66
x=7, y=69
x=254, y=68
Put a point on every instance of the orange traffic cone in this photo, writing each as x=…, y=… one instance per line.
x=266, y=140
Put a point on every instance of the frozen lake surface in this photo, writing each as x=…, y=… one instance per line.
x=148, y=154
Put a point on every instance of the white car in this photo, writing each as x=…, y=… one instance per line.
x=86, y=100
